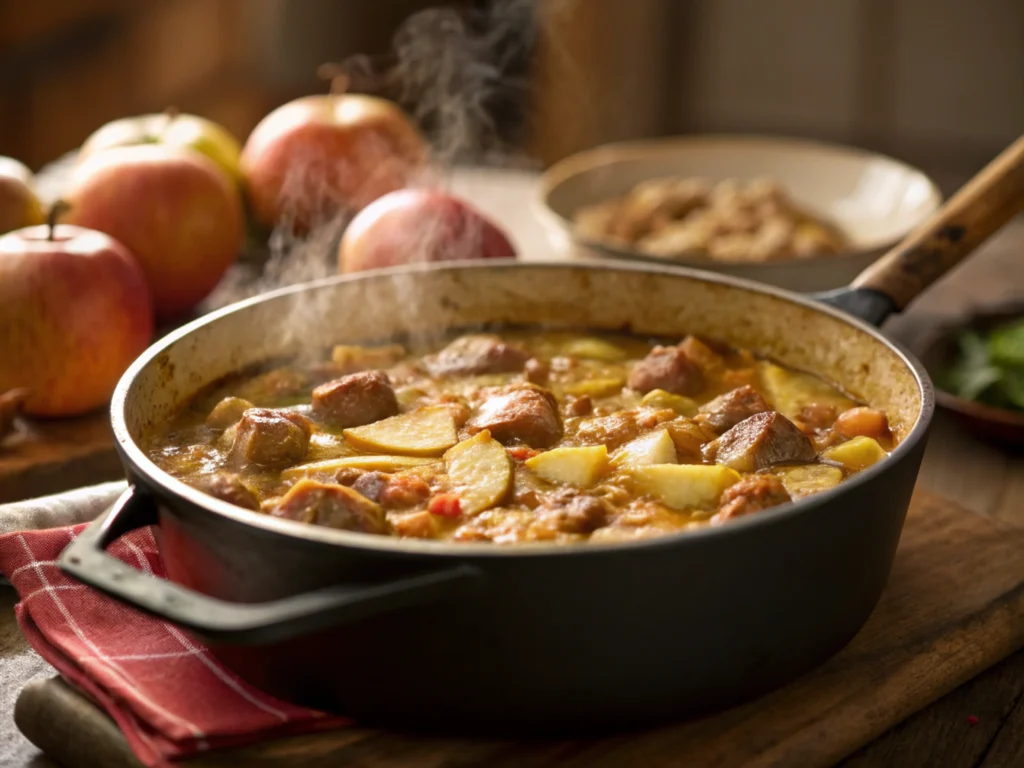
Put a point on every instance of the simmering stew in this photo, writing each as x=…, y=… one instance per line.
x=523, y=436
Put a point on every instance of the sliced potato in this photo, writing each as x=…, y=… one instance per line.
x=370, y=463
x=595, y=387
x=789, y=391
x=659, y=398
x=423, y=432
x=366, y=357
x=480, y=472
x=581, y=467
x=324, y=445
x=684, y=486
x=805, y=479
x=856, y=454
x=655, y=448
x=594, y=349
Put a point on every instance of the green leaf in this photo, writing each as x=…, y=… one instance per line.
x=1006, y=345
x=1012, y=386
x=971, y=373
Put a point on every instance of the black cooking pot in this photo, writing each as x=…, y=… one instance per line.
x=537, y=638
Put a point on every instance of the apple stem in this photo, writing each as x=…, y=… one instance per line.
x=57, y=210
x=336, y=76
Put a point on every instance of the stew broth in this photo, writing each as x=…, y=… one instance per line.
x=522, y=436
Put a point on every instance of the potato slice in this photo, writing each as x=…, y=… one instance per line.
x=595, y=387
x=659, y=398
x=857, y=454
x=424, y=432
x=655, y=448
x=480, y=472
x=580, y=467
x=789, y=391
x=805, y=479
x=366, y=357
x=370, y=463
x=684, y=486
x=594, y=349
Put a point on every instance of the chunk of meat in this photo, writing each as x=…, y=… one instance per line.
x=728, y=410
x=392, y=491
x=519, y=413
x=751, y=494
x=476, y=354
x=816, y=417
x=579, y=514
x=667, y=368
x=227, y=413
x=354, y=400
x=227, y=486
x=760, y=441
x=578, y=406
x=613, y=430
x=270, y=438
x=863, y=422
x=536, y=371
x=330, y=505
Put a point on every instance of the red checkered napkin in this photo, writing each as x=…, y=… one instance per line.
x=168, y=695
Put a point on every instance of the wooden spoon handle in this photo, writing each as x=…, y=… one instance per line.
x=980, y=208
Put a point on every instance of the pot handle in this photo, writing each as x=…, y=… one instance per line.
x=981, y=207
x=86, y=560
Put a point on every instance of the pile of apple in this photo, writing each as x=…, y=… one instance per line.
x=155, y=212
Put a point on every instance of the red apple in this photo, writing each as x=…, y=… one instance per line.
x=172, y=208
x=75, y=312
x=416, y=225
x=19, y=206
x=319, y=157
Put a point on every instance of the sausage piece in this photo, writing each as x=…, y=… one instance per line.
x=579, y=514
x=354, y=400
x=728, y=410
x=667, y=368
x=760, y=441
x=330, y=505
x=523, y=413
x=476, y=354
x=270, y=438
x=226, y=486
x=751, y=494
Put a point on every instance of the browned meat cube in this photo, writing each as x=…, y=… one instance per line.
x=536, y=371
x=762, y=440
x=330, y=505
x=751, y=494
x=728, y=410
x=227, y=413
x=226, y=486
x=270, y=438
x=355, y=400
x=392, y=491
x=816, y=417
x=578, y=514
x=523, y=413
x=476, y=354
x=667, y=368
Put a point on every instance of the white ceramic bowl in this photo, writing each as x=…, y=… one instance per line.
x=872, y=199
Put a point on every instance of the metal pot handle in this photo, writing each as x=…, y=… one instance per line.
x=86, y=560
x=983, y=205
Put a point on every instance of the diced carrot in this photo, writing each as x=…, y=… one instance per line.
x=445, y=505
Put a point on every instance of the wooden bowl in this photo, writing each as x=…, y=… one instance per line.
x=873, y=200
x=1000, y=426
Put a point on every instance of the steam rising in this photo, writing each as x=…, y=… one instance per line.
x=450, y=72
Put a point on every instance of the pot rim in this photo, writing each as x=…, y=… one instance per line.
x=140, y=464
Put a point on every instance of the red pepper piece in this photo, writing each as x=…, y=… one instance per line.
x=445, y=505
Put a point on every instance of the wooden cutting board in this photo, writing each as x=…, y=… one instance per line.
x=954, y=606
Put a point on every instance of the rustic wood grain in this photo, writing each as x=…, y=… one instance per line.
x=954, y=606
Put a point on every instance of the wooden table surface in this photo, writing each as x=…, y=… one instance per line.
x=981, y=724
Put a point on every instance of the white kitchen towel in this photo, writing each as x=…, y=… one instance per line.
x=60, y=509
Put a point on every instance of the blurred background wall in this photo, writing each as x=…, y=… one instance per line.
x=939, y=83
